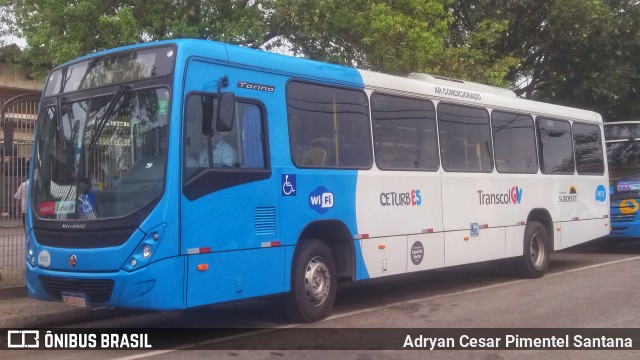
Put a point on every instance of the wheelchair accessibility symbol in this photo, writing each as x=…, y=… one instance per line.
x=288, y=185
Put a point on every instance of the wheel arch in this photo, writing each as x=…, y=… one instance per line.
x=543, y=216
x=336, y=235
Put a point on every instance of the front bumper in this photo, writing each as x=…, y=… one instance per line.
x=157, y=286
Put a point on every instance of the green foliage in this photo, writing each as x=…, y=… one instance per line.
x=59, y=30
x=475, y=50
x=575, y=52
x=392, y=36
x=578, y=53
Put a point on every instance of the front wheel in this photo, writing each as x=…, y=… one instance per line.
x=535, y=259
x=313, y=283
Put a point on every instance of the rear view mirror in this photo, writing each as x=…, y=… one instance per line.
x=226, y=112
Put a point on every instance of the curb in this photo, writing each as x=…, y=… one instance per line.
x=12, y=292
x=59, y=317
x=21, y=311
x=63, y=315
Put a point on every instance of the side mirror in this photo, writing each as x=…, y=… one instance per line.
x=226, y=112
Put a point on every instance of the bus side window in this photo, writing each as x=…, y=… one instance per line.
x=457, y=154
x=328, y=126
x=514, y=142
x=404, y=133
x=252, y=149
x=588, y=149
x=555, y=146
x=466, y=132
x=193, y=141
x=241, y=147
x=313, y=157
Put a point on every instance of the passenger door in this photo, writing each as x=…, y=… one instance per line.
x=228, y=208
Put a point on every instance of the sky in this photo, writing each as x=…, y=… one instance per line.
x=14, y=40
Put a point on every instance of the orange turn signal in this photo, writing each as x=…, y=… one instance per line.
x=203, y=267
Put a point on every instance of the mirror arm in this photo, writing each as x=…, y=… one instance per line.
x=223, y=82
x=208, y=116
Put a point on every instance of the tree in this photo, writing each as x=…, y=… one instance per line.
x=393, y=36
x=58, y=30
x=396, y=37
x=5, y=19
x=578, y=53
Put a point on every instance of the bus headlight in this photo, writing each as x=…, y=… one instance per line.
x=142, y=255
x=146, y=251
x=30, y=254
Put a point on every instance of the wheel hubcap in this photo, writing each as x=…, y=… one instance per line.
x=537, y=250
x=317, y=281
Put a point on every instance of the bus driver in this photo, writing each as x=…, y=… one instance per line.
x=224, y=155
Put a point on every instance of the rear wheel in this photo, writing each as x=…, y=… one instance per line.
x=535, y=258
x=313, y=283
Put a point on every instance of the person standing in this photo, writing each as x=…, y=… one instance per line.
x=21, y=200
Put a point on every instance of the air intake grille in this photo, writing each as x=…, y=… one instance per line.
x=622, y=218
x=265, y=220
x=98, y=291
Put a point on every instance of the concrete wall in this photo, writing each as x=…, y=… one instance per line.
x=18, y=79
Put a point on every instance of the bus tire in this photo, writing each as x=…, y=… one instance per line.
x=313, y=283
x=537, y=249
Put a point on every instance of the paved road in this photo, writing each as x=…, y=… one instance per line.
x=586, y=288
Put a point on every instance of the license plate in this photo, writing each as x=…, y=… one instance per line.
x=74, y=299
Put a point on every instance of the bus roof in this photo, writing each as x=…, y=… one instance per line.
x=454, y=91
x=627, y=122
x=432, y=87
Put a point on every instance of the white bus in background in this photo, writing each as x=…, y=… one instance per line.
x=511, y=177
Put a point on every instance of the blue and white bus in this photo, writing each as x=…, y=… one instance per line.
x=623, y=154
x=182, y=173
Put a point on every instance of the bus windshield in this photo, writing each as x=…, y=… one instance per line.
x=102, y=156
x=624, y=168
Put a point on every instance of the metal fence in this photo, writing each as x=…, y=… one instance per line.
x=18, y=125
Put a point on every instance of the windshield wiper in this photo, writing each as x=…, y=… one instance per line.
x=102, y=122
